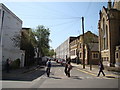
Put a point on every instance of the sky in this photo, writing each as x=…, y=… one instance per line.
x=62, y=18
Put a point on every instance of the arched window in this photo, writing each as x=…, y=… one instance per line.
x=103, y=26
x=104, y=36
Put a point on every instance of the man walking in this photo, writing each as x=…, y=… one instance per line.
x=101, y=68
x=68, y=67
x=48, y=65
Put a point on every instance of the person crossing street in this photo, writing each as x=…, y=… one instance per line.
x=48, y=67
x=101, y=68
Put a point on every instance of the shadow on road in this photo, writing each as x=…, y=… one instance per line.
x=110, y=77
x=29, y=76
x=55, y=77
x=76, y=77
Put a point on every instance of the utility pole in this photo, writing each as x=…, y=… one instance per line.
x=77, y=60
x=83, y=43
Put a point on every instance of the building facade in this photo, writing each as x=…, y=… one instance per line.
x=109, y=32
x=10, y=26
x=73, y=48
x=62, y=51
x=91, y=49
x=117, y=56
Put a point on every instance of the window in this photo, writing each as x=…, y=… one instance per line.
x=117, y=55
x=103, y=25
x=119, y=48
x=72, y=52
x=80, y=55
x=95, y=55
x=106, y=37
x=104, y=34
x=80, y=45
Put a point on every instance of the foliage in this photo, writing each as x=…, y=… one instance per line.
x=30, y=39
x=42, y=37
x=51, y=52
x=28, y=42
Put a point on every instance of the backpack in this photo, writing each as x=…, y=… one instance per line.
x=49, y=64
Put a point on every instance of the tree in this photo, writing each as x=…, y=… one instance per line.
x=26, y=41
x=51, y=53
x=42, y=37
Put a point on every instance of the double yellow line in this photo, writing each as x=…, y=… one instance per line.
x=96, y=75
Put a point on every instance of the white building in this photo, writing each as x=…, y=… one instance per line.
x=62, y=51
x=10, y=25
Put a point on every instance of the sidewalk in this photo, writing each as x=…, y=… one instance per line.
x=95, y=70
x=22, y=73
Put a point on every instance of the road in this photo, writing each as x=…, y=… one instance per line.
x=57, y=79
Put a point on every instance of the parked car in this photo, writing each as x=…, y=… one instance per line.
x=63, y=62
x=59, y=61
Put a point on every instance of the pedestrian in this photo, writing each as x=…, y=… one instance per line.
x=69, y=68
x=7, y=65
x=101, y=68
x=66, y=67
x=48, y=67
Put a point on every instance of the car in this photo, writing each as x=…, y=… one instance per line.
x=59, y=61
x=63, y=62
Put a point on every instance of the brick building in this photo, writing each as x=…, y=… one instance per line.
x=91, y=48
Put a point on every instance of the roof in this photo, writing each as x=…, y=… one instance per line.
x=88, y=32
x=72, y=38
x=95, y=46
x=26, y=28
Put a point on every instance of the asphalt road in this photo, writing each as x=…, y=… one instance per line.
x=58, y=79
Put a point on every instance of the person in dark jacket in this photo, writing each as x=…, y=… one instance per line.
x=66, y=67
x=7, y=65
x=101, y=68
x=69, y=68
x=48, y=67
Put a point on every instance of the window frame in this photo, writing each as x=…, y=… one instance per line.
x=95, y=55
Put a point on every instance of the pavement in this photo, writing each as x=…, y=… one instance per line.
x=23, y=74
x=95, y=70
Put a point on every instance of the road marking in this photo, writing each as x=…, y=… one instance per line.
x=113, y=75
x=96, y=75
x=86, y=72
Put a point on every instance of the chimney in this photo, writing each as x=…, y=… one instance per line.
x=109, y=4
